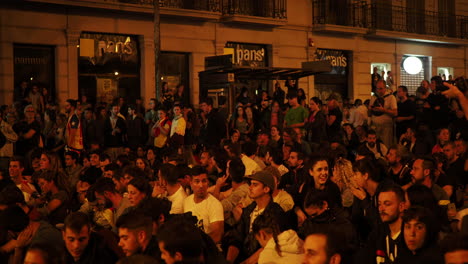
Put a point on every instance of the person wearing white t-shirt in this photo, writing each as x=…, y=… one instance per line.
x=16, y=168
x=174, y=192
x=204, y=206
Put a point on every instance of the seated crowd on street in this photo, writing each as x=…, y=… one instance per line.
x=282, y=179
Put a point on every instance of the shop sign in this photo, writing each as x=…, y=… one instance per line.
x=252, y=55
x=102, y=48
x=337, y=58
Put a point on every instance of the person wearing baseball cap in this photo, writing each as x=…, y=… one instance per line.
x=241, y=242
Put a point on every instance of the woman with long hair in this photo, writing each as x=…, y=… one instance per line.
x=343, y=177
x=138, y=189
x=239, y=121
x=143, y=164
x=285, y=247
x=316, y=179
x=50, y=161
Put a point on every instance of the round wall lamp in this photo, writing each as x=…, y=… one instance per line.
x=412, y=65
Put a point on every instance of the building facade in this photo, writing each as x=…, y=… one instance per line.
x=105, y=48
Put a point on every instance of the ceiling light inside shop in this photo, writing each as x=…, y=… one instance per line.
x=412, y=65
x=116, y=73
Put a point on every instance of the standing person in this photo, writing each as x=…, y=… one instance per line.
x=176, y=137
x=334, y=119
x=239, y=121
x=29, y=132
x=36, y=99
x=383, y=108
x=296, y=115
x=390, y=81
x=406, y=111
x=316, y=125
x=161, y=130
x=115, y=130
x=358, y=115
x=214, y=126
x=6, y=151
x=136, y=131
x=74, y=132
x=151, y=116
x=279, y=94
x=375, y=77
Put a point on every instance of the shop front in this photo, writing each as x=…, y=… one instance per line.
x=334, y=83
x=221, y=77
x=34, y=64
x=108, y=67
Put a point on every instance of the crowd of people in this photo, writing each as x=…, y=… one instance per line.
x=282, y=179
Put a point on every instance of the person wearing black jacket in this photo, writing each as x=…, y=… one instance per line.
x=136, y=134
x=83, y=245
x=240, y=242
x=115, y=130
x=385, y=243
x=317, y=180
x=420, y=236
x=215, y=126
x=320, y=216
x=365, y=213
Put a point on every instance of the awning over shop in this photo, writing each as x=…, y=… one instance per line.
x=220, y=68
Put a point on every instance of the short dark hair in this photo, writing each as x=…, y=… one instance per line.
x=276, y=156
x=334, y=240
x=155, y=207
x=400, y=194
x=237, y=170
x=404, y=88
x=235, y=149
x=72, y=154
x=182, y=237
x=134, y=172
x=316, y=198
x=18, y=159
x=207, y=100
x=428, y=164
x=134, y=221
x=168, y=173
x=73, y=103
x=104, y=156
x=249, y=148
x=198, y=170
x=104, y=185
x=371, y=132
x=76, y=221
x=425, y=216
x=367, y=166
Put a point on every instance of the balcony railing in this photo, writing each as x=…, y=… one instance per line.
x=260, y=8
x=202, y=5
x=388, y=17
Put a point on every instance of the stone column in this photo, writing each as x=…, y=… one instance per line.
x=73, y=37
x=147, y=78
